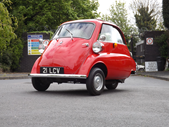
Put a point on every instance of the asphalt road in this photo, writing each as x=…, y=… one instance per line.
x=139, y=102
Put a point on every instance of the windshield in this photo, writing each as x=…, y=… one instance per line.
x=75, y=30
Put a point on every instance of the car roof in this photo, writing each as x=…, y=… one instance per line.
x=92, y=20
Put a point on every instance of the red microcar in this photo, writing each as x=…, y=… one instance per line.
x=93, y=52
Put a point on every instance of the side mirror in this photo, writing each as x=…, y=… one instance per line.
x=102, y=38
x=40, y=41
x=131, y=54
x=41, y=46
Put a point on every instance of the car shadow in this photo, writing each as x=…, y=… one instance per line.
x=77, y=92
x=106, y=91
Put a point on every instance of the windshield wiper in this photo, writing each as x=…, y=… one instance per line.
x=71, y=35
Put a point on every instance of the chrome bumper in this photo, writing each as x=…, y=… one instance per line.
x=58, y=76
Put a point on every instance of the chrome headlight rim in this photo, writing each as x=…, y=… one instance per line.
x=97, y=47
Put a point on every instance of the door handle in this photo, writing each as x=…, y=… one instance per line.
x=85, y=44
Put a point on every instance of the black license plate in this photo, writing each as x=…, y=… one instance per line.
x=52, y=70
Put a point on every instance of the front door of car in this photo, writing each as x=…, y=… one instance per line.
x=70, y=54
x=72, y=46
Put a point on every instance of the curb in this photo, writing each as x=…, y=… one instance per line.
x=19, y=77
x=157, y=77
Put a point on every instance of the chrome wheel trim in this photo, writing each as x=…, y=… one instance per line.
x=98, y=82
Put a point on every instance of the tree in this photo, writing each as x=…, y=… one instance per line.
x=162, y=43
x=85, y=9
x=146, y=13
x=119, y=16
x=166, y=13
x=166, y=21
x=144, y=19
x=7, y=34
x=6, y=29
x=40, y=15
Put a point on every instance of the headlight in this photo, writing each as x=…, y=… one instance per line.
x=97, y=47
x=41, y=41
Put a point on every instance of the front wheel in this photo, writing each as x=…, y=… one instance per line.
x=40, y=84
x=95, y=82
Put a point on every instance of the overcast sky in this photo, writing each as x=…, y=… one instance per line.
x=105, y=5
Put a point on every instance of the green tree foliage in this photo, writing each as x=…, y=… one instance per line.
x=85, y=9
x=166, y=13
x=163, y=42
x=40, y=15
x=6, y=35
x=119, y=16
x=146, y=13
x=6, y=29
x=144, y=19
x=160, y=26
x=166, y=20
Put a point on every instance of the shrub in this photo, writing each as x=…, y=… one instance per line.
x=162, y=42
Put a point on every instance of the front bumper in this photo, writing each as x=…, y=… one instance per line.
x=68, y=76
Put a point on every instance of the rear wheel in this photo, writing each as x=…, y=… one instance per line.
x=95, y=81
x=40, y=84
x=111, y=85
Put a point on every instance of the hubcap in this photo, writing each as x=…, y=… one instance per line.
x=98, y=82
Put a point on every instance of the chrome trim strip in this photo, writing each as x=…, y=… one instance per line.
x=58, y=76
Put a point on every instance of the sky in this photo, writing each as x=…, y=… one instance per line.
x=105, y=5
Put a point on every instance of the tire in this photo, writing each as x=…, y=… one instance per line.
x=95, y=82
x=112, y=85
x=40, y=84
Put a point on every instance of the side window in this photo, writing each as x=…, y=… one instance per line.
x=111, y=34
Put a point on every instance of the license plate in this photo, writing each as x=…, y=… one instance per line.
x=52, y=70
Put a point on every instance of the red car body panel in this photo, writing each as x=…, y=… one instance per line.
x=117, y=67
x=76, y=58
x=70, y=54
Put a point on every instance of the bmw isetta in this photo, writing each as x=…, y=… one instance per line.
x=91, y=51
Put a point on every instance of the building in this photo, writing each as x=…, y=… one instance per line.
x=147, y=50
